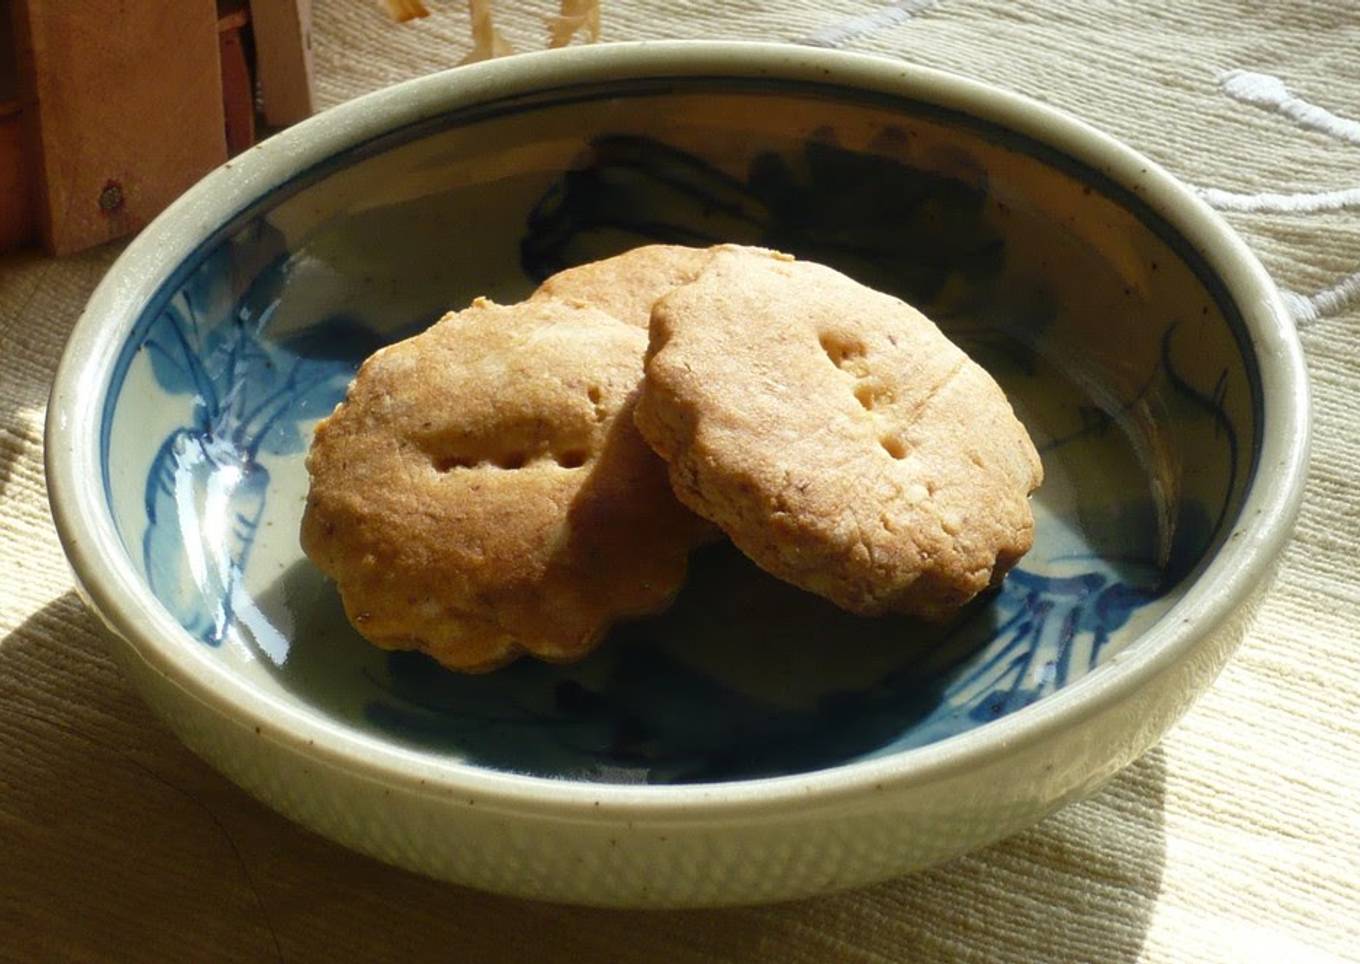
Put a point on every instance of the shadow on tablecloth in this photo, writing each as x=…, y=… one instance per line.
x=117, y=840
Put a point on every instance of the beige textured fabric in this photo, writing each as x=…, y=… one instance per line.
x=1238, y=839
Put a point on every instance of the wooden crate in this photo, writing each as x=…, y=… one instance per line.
x=111, y=115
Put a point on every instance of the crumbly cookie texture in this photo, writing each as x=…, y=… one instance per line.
x=483, y=492
x=840, y=440
x=627, y=285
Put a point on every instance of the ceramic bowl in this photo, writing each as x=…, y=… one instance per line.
x=752, y=743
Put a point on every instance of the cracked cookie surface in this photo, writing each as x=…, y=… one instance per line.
x=836, y=435
x=483, y=492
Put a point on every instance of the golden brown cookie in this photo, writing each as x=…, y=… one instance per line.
x=836, y=435
x=627, y=285
x=483, y=491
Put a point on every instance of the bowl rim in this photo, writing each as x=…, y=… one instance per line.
x=100, y=563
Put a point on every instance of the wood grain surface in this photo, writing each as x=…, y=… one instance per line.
x=16, y=197
x=124, y=105
x=238, y=83
x=16, y=205
x=283, y=57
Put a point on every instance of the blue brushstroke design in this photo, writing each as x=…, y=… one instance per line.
x=206, y=486
x=892, y=225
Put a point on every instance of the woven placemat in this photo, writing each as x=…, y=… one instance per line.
x=1237, y=839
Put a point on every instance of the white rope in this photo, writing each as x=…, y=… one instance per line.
x=1310, y=308
x=1266, y=201
x=1270, y=93
x=889, y=16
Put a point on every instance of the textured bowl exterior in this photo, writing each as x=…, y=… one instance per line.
x=705, y=844
x=612, y=859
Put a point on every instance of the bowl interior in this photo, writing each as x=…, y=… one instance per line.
x=1119, y=350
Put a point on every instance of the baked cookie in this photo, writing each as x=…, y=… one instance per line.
x=482, y=491
x=627, y=285
x=839, y=439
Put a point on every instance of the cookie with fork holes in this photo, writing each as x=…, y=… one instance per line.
x=482, y=492
x=837, y=436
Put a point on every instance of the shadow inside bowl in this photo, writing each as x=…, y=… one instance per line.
x=743, y=676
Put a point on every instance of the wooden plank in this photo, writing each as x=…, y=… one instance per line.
x=16, y=201
x=123, y=110
x=9, y=69
x=238, y=92
x=283, y=58
x=232, y=15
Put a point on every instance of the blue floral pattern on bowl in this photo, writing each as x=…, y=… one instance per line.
x=248, y=396
x=743, y=677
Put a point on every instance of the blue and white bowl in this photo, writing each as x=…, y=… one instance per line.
x=752, y=743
